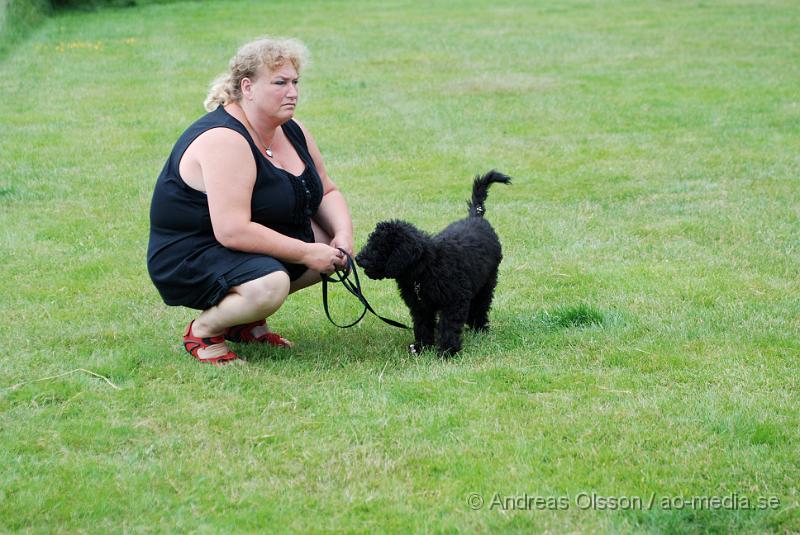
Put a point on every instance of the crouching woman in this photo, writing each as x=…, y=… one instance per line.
x=243, y=212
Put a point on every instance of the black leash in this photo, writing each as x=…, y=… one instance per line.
x=355, y=289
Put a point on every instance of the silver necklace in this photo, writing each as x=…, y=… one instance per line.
x=267, y=149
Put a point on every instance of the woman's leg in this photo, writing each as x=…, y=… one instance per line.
x=251, y=301
x=310, y=277
x=256, y=299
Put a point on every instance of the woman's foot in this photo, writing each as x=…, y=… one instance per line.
x=256, y=333
x=211, y=350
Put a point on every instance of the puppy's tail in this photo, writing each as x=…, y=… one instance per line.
x=480, y=190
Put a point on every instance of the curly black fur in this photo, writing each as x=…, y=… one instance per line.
x=451, y=274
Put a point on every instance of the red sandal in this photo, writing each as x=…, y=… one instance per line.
x=215, y=350
x=244, y=334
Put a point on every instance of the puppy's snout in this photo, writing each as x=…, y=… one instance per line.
x=360, y=260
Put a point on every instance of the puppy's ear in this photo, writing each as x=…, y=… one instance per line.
x=400, y=259
x=404, y=256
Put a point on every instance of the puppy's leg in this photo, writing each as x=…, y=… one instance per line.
x=481, y=303
x=451, y=326
x=424, y=327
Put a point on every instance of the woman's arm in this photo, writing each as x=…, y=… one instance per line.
x=229, y=174
x=333, y=214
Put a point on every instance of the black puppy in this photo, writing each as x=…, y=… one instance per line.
x=452, y=274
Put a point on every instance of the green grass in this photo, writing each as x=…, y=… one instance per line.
x=17, y=19
x=646, y=327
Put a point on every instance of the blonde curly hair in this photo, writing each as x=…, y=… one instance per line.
x=266, y=51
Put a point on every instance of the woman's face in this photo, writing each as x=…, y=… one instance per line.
x=275, y=92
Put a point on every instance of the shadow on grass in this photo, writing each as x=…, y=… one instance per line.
x=367, y=343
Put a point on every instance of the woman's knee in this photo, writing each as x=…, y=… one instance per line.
x=267, y=292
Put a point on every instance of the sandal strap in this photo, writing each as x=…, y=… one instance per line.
x=274, y=339
x=244, y=334
x=210, y=352
x=214, y=348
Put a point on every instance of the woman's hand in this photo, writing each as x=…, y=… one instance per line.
x=323, y=258
x=343, y=241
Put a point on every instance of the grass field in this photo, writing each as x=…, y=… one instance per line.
x=646, y=327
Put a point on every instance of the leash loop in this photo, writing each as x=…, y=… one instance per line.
x=343, y=277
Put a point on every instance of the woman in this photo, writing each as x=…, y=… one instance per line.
x=244, y=213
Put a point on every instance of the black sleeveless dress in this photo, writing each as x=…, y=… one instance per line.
x=188, y=266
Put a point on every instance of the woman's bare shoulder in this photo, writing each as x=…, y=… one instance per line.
x=218, y=154
x=221, y=138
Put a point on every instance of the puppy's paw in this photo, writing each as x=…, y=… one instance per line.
x=416, y=348
x=447, y=352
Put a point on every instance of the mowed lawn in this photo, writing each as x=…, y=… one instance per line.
x=641, y=374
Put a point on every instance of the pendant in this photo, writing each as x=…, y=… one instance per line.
x=268, y=151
